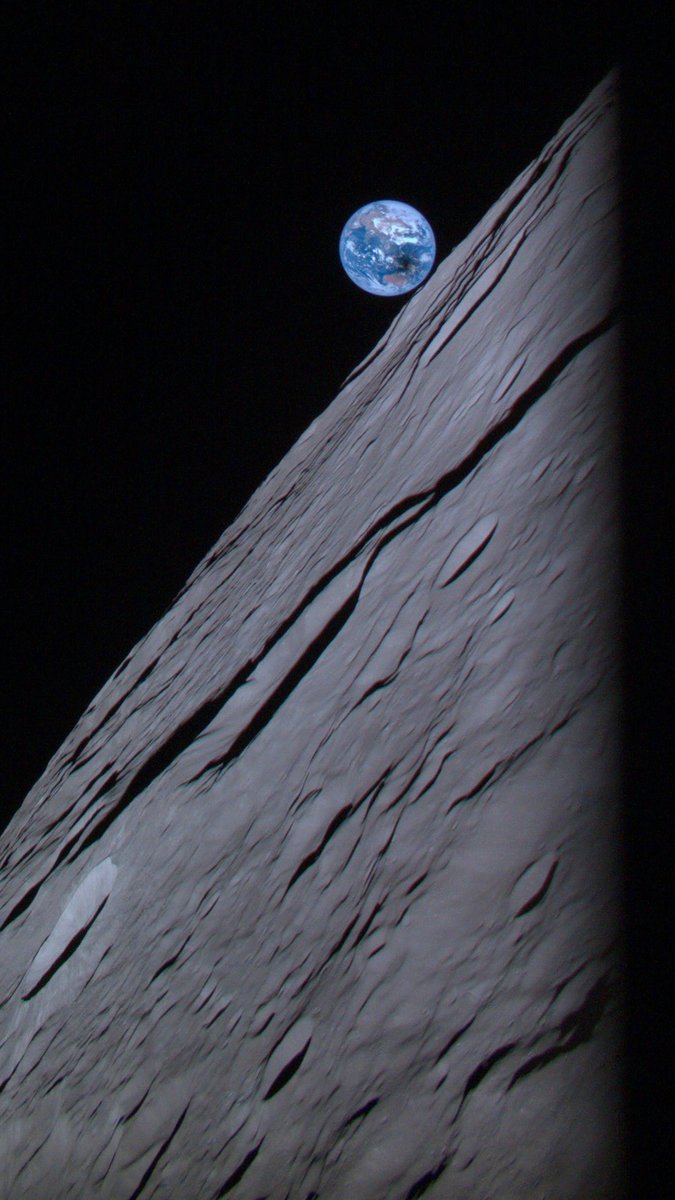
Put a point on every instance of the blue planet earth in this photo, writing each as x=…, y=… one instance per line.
x=387, y=248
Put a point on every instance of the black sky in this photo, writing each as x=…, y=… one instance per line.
x=178, y=180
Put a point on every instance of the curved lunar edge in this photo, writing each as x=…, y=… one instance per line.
x=320, y=897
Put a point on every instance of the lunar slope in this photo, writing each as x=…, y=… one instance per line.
x=321, y=896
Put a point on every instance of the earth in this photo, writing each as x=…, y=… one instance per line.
x=387, y=248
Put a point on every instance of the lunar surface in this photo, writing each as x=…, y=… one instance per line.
x=387, y=248
x=319, y=900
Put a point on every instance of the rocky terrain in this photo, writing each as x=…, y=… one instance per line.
x=320, y=898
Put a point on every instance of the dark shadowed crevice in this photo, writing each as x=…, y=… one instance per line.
x=425, y=1182
x=360, y=1113
x=410, y=785
x=55, y=1083
x=311, y=858
x=62, y=816
x=108, y=766
x=132, y=1112
x=169, y=962
x=111, y=711
x=451, y=1042
x=478, y=1075
x=238, y=1174
x=540, y=893
x=576, y=1029
x=416, y=883
x=264, y=1026
x=367, y=924
x=287, y=1073
x=162, y=1150
x=184, y=736
x=560, y=987
x=24, y=903
x=287, y=685
x=339, y=944
x=65, y=954
x=380, y=684
x=81, y=834
x=494, y=773
x=158, y=762
x=471, y=559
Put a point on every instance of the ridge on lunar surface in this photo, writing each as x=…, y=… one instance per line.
x=320, y=896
